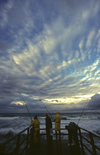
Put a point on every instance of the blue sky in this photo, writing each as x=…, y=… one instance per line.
x=50, y=55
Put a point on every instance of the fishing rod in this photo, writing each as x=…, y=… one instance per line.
x=23, y=98
x=26, y=107
x=20, y=93
x=81, y=114
x=47, y=109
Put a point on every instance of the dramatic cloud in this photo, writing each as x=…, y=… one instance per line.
x=49, y=54
x=94, y=103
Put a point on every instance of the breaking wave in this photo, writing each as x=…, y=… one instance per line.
x=12, y=124
x=9, y=118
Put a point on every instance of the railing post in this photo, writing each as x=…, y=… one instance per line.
x=81, y=141
x=17, y=145
x=27, y=141
x=92, y=143
x=31, y=140
x=2, y=150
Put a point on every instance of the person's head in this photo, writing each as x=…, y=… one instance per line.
x=35, y=117
x=46, y=114
x=58, y=112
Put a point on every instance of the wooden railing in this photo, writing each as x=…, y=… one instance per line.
x=89, y=145
x=19, y=143
x=25, y=142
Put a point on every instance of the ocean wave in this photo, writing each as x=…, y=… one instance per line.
x=64, y=118
x=83, y=118
x=9, y=118
x=5, y=131
x=41, y=117
x=98, y=117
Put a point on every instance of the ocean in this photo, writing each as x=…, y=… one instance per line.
x=12, y=124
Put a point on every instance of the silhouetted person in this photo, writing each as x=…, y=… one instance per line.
x=48, y=127
x=73, y=136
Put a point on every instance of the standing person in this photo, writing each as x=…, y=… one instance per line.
x=36, y=124
x=57, y=120
x=48, y=127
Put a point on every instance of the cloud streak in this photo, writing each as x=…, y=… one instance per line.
x=50, y=52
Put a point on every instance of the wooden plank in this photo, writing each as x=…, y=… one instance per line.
x=58, y=148
x=90, y=132
x=17, y=144
x=92, y=143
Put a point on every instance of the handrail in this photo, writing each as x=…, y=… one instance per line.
x=80, y=139
x=90, y=141
x=14, y=137
x=90, y=132
x=18, y=144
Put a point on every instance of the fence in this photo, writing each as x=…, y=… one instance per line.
x=19, y=143
x=86, y=142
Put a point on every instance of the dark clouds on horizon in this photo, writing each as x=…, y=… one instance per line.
x=8, y=105
x=94, y=103
x=49, y=54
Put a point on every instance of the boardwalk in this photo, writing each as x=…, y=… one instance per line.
x=58, y=148
x=19, y=145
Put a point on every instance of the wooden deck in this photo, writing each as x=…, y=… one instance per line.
x=57, y=148
x=26, y=146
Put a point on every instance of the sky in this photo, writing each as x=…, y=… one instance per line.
x=49, y=55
